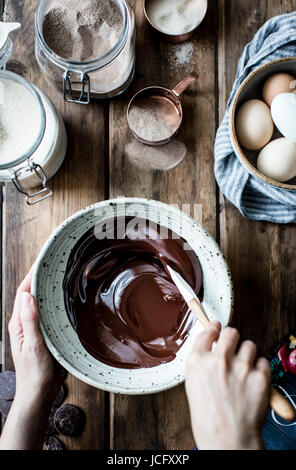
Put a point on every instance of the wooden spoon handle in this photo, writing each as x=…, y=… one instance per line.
x=278, y=402
x=198, y=310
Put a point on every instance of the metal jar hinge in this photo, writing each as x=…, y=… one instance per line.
x=43, y=193
x=84, y=97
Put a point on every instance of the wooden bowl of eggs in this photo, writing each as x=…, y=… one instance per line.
x=263, y=123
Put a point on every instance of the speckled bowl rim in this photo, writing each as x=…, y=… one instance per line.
x=103, y=386
x=234, y=140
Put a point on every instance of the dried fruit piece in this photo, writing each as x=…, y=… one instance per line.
x=7, y=385
x=64, y=373
x=292, y=362
x=55, y=444
x=61, y=396
x=51, y=430
x=69, y=420
x=283, y=355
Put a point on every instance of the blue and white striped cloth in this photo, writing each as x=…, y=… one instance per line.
x=254, y=198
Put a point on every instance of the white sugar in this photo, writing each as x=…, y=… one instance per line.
x=183, y=53
x=176, y=16
x=20, y=120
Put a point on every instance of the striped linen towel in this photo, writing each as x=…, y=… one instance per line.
x=254, y=198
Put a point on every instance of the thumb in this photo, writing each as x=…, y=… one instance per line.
x=29, y=316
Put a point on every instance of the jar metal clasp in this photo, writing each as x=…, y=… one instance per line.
x=38, y=196
x=84, y=97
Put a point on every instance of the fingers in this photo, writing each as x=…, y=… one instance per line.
x=25, y=286
x=263, y=366
x=227, y=342
x=204, y=342
x=247, y=353
x=29, y=317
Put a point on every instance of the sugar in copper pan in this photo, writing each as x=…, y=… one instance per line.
x=172, y=37
x=166, y=105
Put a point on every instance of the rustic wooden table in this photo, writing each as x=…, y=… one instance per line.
x=260, y=255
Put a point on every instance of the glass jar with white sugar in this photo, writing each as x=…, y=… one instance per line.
x=32, y=137
x=86, y=48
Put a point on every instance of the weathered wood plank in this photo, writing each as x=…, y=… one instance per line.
x=260, y=254
x=162, y=421
x=79, y=183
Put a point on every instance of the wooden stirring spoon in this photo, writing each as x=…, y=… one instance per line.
x=277, y=401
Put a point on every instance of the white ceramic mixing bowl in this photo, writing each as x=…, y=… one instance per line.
x=61, y=338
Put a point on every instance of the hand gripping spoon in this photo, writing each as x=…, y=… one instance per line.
x=277, y=401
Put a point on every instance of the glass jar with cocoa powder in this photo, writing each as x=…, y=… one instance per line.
x=86, y=49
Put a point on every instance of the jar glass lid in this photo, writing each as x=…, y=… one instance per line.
x=22, y=120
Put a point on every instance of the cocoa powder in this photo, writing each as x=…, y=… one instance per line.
x=82, y=31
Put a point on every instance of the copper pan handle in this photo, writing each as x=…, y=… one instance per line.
x=185, y=83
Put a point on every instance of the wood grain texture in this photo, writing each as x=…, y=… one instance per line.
x=260, y=254
x=80, y=182
x=162, y=421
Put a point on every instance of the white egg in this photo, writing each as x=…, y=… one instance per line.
x=277, y=160
x=283, y=111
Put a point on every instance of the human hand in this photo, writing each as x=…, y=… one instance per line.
x=38, y=376
x=228, y=392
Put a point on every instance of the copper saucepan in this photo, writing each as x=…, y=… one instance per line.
x=173, y=37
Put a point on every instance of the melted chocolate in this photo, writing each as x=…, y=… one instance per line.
x=120, y=299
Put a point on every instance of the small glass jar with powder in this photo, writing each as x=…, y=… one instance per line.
x=33, y=138
x=86, y=48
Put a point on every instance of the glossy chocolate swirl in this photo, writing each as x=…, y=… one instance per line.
x=120, y=299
